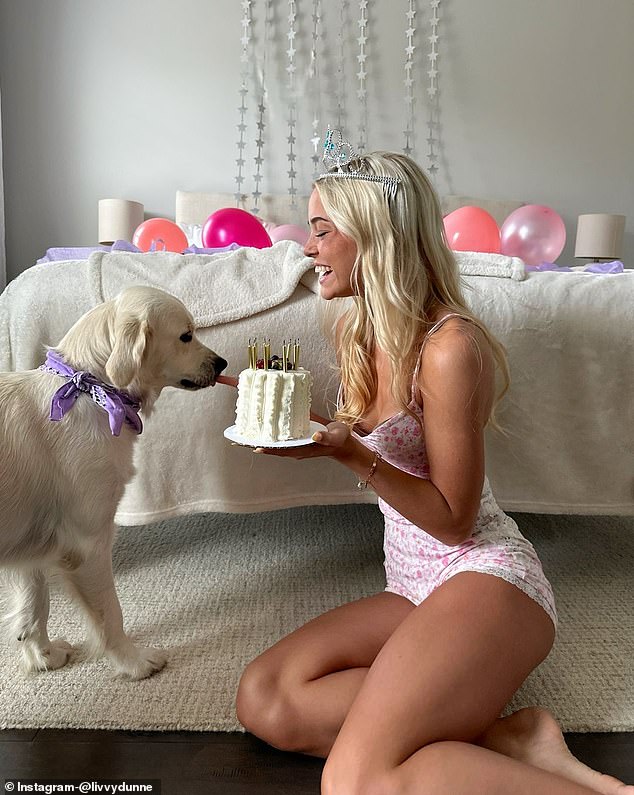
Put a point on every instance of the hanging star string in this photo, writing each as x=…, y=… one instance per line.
x=433, y=122
x=410, y=33
x=362, y=93
x=246, y=24
x=261, y=110
x=314, y=78
x=340, y=83
x=292, y=106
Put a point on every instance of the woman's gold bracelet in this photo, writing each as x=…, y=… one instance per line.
x=363, y=484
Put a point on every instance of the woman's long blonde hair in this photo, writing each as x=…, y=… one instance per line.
x=404, y=271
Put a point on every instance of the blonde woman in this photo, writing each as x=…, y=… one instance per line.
x=402, y=691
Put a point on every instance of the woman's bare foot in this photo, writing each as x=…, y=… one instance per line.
x=532, y=735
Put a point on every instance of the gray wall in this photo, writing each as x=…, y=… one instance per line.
x=137, y=98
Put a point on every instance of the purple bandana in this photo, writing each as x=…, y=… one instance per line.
x=119, y=405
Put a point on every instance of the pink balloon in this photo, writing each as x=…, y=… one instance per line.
x=534, y=233
x=289, y=232
x=159, y=234
x=472, y=229
x=232, y=225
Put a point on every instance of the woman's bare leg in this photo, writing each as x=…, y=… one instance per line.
x=297, y=694
x=439, y=683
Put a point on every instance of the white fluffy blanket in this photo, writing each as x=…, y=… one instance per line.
x=569, y=413
x=37, y=308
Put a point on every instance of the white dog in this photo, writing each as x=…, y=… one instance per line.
x=61, y=481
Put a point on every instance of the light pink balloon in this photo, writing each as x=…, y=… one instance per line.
x=534, y=233
x=472, y=229
x=289, y=232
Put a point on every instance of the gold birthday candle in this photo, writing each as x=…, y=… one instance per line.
x=254, y=353
x=296, y=354
x=267, y=353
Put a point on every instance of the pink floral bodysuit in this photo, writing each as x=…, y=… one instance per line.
x=416, y=563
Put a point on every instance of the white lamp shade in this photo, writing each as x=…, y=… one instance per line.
x=118, y=218
x=600, y=236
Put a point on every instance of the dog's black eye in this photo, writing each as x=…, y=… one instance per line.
x=187, y=337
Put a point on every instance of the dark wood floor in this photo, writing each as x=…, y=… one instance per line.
x=189, y=763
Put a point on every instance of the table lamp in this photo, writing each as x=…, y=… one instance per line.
x=118, y=218
x=600, y=237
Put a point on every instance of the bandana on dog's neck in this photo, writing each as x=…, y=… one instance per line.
x=119, y=405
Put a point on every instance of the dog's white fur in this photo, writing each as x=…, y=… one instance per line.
x=61, y=482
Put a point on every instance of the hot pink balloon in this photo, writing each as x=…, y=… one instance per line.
x=232, y=225
x=159, y=234
x=534, y=233
x=472, y=229
x=289, y=232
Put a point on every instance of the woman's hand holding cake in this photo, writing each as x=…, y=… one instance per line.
x=333, y=440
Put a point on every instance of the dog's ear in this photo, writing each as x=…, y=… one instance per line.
x=131, y=336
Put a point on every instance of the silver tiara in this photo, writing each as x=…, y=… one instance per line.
x=338, y=153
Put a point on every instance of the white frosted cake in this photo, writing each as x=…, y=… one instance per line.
x=273, y=405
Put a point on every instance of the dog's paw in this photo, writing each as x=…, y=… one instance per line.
x=57, y=654
x=53, y=655
x=146, y=662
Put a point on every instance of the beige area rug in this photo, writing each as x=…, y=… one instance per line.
x=216, y=589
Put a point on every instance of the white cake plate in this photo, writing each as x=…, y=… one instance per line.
x=232, y=434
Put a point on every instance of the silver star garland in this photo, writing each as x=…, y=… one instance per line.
x=244, y=90
x=362, y=92
x=314, y=77
x=292, y=108
x=254, y=69
x=261, y=107
x=410, y=33
x=433, y=122
x=340, y=91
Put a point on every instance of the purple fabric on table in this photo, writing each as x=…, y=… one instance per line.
x=119, y=405
x=83, y=252
x=616, y=266
x=547, y=266
x=72, y=252
x=124, y=245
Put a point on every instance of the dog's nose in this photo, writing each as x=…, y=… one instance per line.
x=219, y=364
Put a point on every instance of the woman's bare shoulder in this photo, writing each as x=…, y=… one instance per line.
x=459, y=341
x=458, y=360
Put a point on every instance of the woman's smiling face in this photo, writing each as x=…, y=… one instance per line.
x=334, y=253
